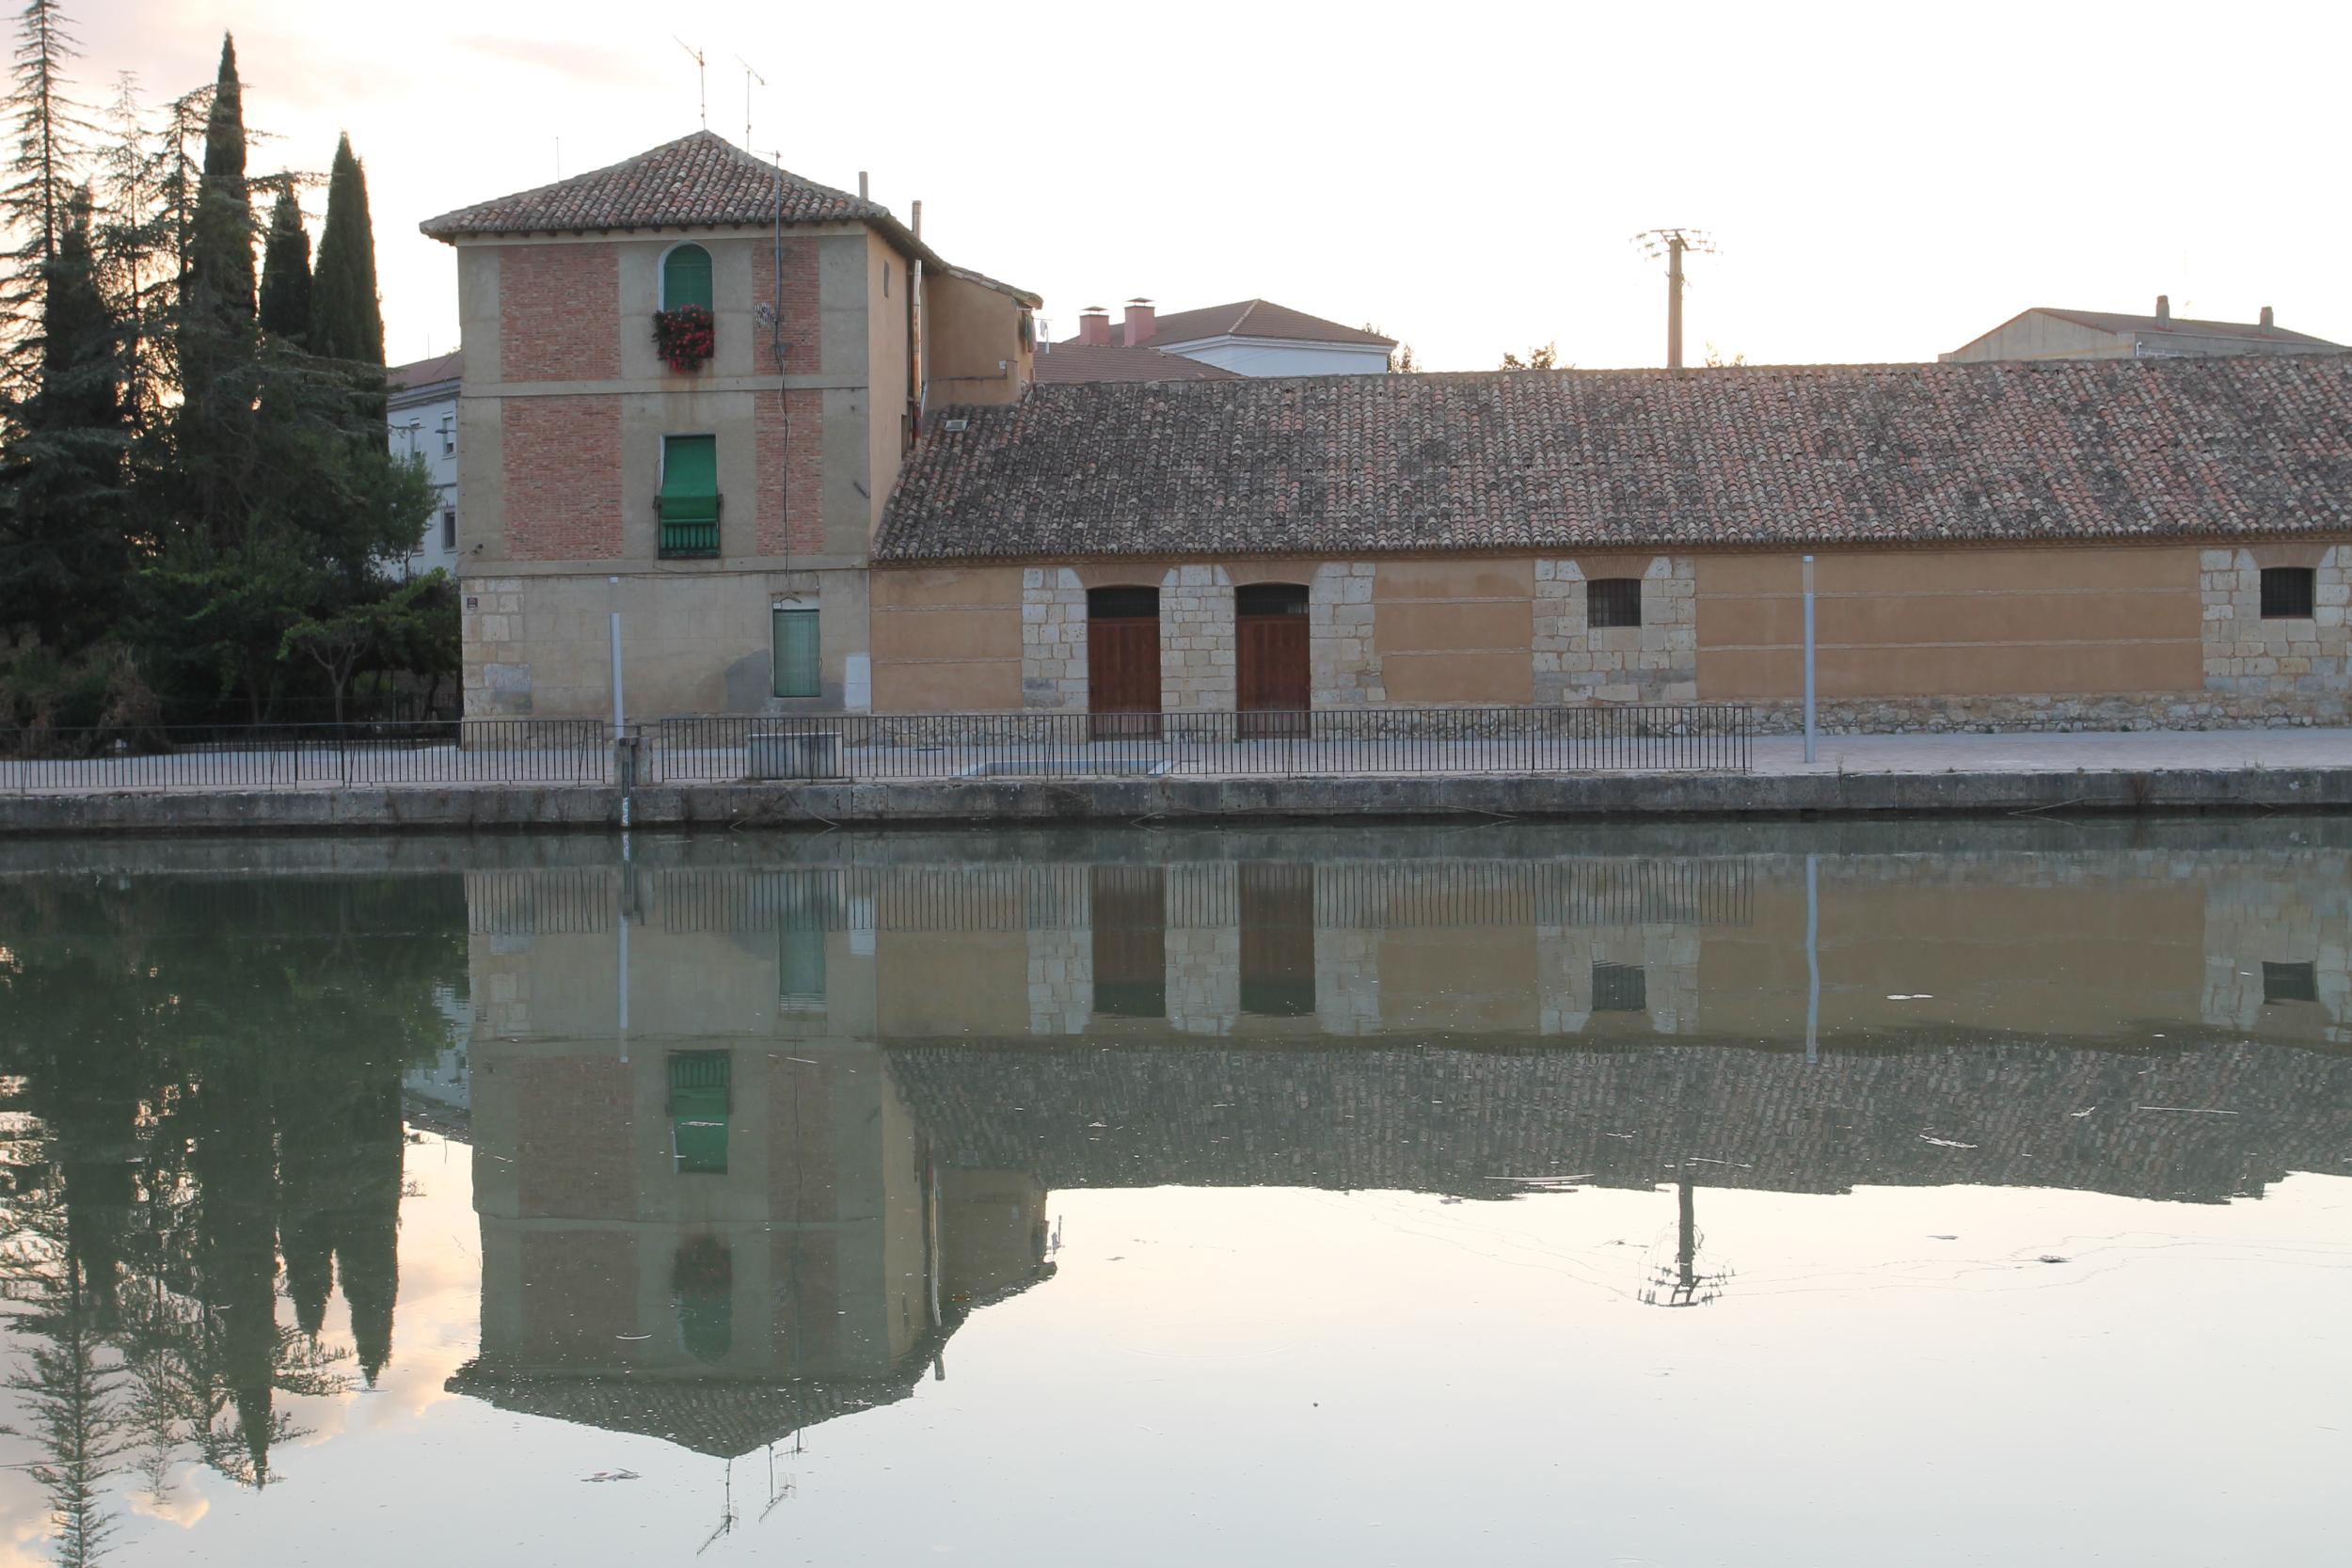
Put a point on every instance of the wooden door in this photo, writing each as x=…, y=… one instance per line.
x=1278, y=940
x=1130, y=921
x=1272, y=685
x=1123, y=663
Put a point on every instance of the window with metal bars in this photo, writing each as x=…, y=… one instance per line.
x=2289, y=593
x=1613, y=602
x=2290, y=983
x=1620, y=988
x=1270, y=598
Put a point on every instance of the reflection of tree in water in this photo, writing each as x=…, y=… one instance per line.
x=210, y=1073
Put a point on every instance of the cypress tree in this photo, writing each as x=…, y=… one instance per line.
x=285, y=303
x=216, y=295
x=346, y=319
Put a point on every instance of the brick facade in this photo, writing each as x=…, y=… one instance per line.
x=802, y=323
x=559, y=312
x=561, y=458
x=789, y=512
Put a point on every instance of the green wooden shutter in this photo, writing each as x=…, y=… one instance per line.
x=689, y=495
x=798, y=667
x=686, y=278
x=699, y=1106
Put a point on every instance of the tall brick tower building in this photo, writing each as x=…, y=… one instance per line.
x=689, y=382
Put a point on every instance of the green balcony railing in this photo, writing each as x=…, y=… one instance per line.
x=689, y=530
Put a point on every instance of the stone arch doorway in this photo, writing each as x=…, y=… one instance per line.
x=1123, y=663
x=1272, y=686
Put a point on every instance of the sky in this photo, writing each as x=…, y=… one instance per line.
x=1882, y=182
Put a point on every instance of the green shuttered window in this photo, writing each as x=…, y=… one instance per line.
x=686, y=278
x=700, y=1102
x=689, y=495
x=798, y=665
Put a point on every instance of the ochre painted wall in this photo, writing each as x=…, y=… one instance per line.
x=1953, y=622
x=947, y=640
x=1455, y=631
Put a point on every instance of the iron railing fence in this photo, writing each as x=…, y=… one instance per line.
x=264, y=756
x=1711, y=738
x=731, y=749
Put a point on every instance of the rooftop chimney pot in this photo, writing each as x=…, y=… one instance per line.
x=1095, y=325
x=2268, y=321
x=2164, y=307
x=1141, y=323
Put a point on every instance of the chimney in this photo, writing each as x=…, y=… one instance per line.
x=2270, y=321
x=1095, y=325
x=863, y=193
x=2163, y=308
x=1139, y=323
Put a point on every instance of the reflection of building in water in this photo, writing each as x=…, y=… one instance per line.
x=844, y=1091
x=723, y=1225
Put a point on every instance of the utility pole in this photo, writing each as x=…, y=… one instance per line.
x=1670, y=244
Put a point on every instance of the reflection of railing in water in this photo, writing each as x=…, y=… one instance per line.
x=1201, y=894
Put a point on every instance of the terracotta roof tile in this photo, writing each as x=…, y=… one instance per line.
x=702, y=180
x=1839, y=455
x=1248, y=318
x=1072, y=362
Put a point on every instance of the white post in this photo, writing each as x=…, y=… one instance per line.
x=617, y=657
x=1813, y=958
x=1808, y=659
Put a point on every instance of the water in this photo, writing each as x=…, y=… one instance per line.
x=1805, y=1195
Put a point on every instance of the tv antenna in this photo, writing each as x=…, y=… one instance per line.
x=1672, y=243
x=750, y=76
x=702, y=84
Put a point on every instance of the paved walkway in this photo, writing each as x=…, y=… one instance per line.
x=2131, y=751
x=445, y=767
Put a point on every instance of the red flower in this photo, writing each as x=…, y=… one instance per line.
x=683, y=335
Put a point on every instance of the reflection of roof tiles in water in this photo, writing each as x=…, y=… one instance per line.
x=1448, y=1120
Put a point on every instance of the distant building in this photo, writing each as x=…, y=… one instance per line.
x=421, y=414
x=1247, y=338
x=2046, y=333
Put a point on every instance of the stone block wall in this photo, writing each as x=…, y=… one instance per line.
x=1666, y=956
x=1061, y=980
x=2250, y=657
x=1053, y=640
x=1196, y=641
x=1344, y=663
x=496, y=653
x=1654, y=662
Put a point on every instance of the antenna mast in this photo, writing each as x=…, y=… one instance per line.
x=1670, y=244
x=702, y=84
x=749, y=77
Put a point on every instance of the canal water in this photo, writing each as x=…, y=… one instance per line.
x=1794, y=1194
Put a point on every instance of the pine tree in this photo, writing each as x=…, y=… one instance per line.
x=285, y=301
x=50, y=131
x=346, y=318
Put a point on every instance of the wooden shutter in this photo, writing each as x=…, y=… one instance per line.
x=686, y=278
x=800, y=666
x=690, y=496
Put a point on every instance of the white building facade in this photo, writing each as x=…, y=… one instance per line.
x=420, y=416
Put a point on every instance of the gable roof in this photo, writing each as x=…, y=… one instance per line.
x=1075, y=361
x=1250, y=318
x=2109, y=321
x=2067, y=450
x=698, y=182
x=426, y=373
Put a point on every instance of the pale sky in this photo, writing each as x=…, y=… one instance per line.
x=1884, y=181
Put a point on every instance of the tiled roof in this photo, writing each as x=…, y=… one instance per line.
x=1497, y=460
x=2107, y=321
x=426, y=373
x=1250, y=318
x=1071, y=362
x=698, y=182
